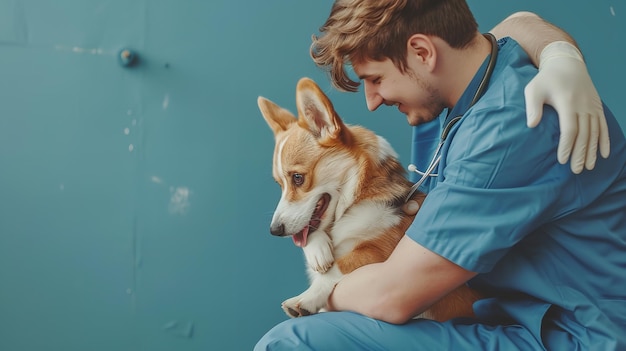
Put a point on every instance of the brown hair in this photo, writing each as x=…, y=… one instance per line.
x=357, y=30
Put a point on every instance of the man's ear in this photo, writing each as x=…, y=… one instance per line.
x=422, y=50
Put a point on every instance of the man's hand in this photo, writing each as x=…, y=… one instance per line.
x=564, y=83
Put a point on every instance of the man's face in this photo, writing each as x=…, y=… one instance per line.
x=385, y=84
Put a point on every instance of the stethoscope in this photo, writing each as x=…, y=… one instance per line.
x=482, y=87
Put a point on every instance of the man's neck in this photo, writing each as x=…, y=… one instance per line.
x=459, y=66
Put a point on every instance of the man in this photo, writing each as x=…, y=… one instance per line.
x=544, y=244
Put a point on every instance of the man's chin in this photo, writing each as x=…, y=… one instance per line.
x=415, y=120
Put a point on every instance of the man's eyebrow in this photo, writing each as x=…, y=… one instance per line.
x=365, y=76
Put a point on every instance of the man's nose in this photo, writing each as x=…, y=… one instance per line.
x=372, y=98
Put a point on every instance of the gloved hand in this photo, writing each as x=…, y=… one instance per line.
x=564, y=83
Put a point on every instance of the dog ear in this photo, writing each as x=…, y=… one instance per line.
x=317, y=114
x=276, y=117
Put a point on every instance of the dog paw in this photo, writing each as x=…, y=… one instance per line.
x=319, y=252
x=293, y=308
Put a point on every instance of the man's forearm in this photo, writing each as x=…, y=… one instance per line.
x=531, y=32
x=367, y=291
x=400, y=288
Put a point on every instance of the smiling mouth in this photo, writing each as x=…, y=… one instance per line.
x=399, y=107
x=389, y=103
x=300, y=238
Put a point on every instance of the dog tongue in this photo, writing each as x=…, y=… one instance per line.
x=299, y=239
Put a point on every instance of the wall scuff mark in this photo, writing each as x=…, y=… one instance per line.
x=166, y=101
x=13, y=28
x=179, y=329
x=79, y=50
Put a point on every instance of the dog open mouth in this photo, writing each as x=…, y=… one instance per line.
x=300, y=238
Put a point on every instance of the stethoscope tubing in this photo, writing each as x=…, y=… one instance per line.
x=482, y=87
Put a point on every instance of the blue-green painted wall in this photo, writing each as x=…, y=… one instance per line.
x=135, y=202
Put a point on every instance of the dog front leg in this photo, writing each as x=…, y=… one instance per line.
x=319, y=251
x=315, y=298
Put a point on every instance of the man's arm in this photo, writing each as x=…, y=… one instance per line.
x=400, y=288
x=564, y=83
x=531, y=32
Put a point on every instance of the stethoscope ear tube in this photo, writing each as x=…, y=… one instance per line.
x=482, y=87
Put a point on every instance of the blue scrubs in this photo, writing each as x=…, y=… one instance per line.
x=549, y=246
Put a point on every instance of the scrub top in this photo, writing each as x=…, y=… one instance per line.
x=550, y=244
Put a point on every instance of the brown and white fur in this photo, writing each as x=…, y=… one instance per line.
x=342, y=192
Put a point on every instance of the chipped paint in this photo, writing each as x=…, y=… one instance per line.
x=179, y=200
x=612, y=10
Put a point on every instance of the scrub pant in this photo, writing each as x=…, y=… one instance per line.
x=347, y=331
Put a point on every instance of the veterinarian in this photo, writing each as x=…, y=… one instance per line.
x=544, y=244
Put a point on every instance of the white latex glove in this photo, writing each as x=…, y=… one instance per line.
x=564, y=83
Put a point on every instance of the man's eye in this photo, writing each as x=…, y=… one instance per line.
x=376, y=80
x=298, y=179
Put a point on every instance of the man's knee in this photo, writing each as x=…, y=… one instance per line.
x=284, y=336
x=322, y=331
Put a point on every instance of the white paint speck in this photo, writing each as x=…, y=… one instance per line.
x=179, y=200
x=612, y=10
x=127, y=131
x=134, y=122
x=166, y=101
x=129, y=112
x=131, y=147
x=156, y=179
x=79, y=50
x=129, y=291
x=61, y=187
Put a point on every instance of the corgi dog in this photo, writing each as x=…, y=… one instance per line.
x=343, y=189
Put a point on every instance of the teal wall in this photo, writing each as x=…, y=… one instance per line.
x=135, y=201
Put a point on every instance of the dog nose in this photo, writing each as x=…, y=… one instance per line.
x=277, y=229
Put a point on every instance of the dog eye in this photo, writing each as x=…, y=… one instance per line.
x=298, y=179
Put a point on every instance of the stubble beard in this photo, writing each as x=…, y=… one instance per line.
x=433, y=106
